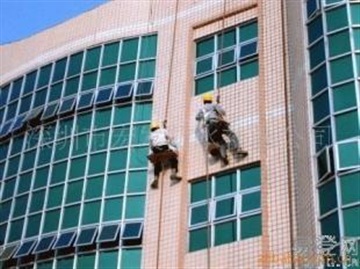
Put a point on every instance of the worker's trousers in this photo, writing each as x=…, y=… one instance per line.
x=158, y=166
x=215, y=131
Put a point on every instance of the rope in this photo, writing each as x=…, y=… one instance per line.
x=222, y=45
x=165, y=121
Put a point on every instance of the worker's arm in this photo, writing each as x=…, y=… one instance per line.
x=220, y=110
x=200, y=115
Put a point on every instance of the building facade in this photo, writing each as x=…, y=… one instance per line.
x=77, y=100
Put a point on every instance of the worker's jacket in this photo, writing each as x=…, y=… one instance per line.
x=210, y=112
x=159, y=137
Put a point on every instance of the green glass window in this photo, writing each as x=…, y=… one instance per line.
x=249, y=69
x=143, y=111
x=62, y=149
x=65, y=127
x=110, y=55
x=227, y=77
x=33, y=139
x=225, y=208
x=11, y=110
x=339, y=43
x=251, y=201
x=37, y=201
x=24, y=182
x=122, y=114
x=45, y=154
x=94, y=187
x=327, y=197
x=146, y=69
x=250, y=226
x=5, y=211
x=74, y=191
x=97, y=163
x=89, y=81
x=55, y=196
x=59, y=70
x=58, y=172
x=118, y=159
x=317, y=53
x=127, y=72
x=248, y=31
x=321, y=107
x=9, y=187
x=138, y=157
x=341, y=69
x=225, y=233
x=86, y=261
x=13, y=165
x=75, y=64
x=120, y=137
x=16, y=229
x=352, y=221
x=40, y=97
x=72, y=86
x=20, y=205
x=33, y=225
x=315, y=29
x=205, y=46
x=198, y=239
x=148, y=46
x=225, y=184
x=356, y=34
x=55, y=91
x=347, y=125
x=107, y=76
x=344, y=96
x=135, y=207
x=49, y=133
x=137, y=181
x=318, y=79
x=65, y=263
x=102, y=118
x=200, y=191
x=355, y=13
x=91, y=212
x=71, y=216
x=140, y=134
x=16, y=89
x=3, y=151
x=349, y=154
x=113, y=209
x=80, y=144
x=30, y=82
x=204, y=84
x=131, y=258
x=336, y=18
x=92, y=58
x=250, y=177
x=3, y=229
x=83, y=123
x=51, y=221
x=100, y=140
x=77, y=167
x=25, y=104
x=350, y=188
x=228, y=39
x=109, y=259
x=129, y=50
x=44, y=265
x=41, y=177
x=199, y=214
x=115, y=184
x=44, y=76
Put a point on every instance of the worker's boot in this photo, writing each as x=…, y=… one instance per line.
x=241, y=152
x=154, y=183
x=174, y=176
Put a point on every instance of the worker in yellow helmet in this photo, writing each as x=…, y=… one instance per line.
x=213, y=115
x=161, y=142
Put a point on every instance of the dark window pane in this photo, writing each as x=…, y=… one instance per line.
x=225, y=184
x=198, y=239
x=11, y=112
x=44, y=77
x=250, y=177
x=59, y=172
x=124, y=92
x=227, y=39
x=24, y=182
x=352, y=221
x=120, y=137
x=140, y=134
x=148, y=46
x=97, y=163
x=339, y=43
x=75, y=64
x=74, y=191
x=315, y=29
x=311, y=7
x=25, y=249
x=355, y=13
x=327, y=197
x=91, y=213
x=248, y=31
x=108, y=259
x=137, y=181
x=330, y=226
x=225, y=208
x=200, y=191
x=127, y=72
x=129, y=50
x=55, y=91
x=102, y=118
x=44, y=244
x=113, y=209
x=89, y=81
x=135, y=206
x=64, y=240
x=204, y=65
x=71, y=216
x=225, y=233
x=110, y=55
x=350, y=188
x=86, y=261
x=318, y=79
x=28, y=160
x=317, y=53
x=248, y=50
x=199, y=214
x=349, y=155
x=118, y=159
x=249, y=69
x=4, y=93
x=30, y=82
x=143, y=111
x=80, y=145
x=86, y=100
x=33, y=225
x=83, y=123
x=144, y=89
x=37, y=201
x=205, y=46
x=146, y=69
x=59, y=70
x=107, y=76
x=115, y=184
x=41, y=177
x=51, y=221
x=204, y=84
x=336, y=18
x=341, y=69
x=86, y=237
x=9, y=187
x=132, y=230
x=94, y=187
x=122, y=114
x=62, y=149
x=77, y=167
x=67, y=105
x=72, y=86
x=16, y=89
x=100, y=140
x=227, y=77
x=5, y=211
x=344, y=96
x=65, y=263
x=55, y=196
x=50, y=111
x=138, y=157
x=322, y=135
x=321, y=107
x=347, y=125
x=250, y=226
x=92, y=58
x=131, y=258
x=104, y=96
x=40, y=98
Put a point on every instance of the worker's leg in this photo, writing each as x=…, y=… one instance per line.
x=174, y=169
x=216, y=137
x=234, y=141
x=157, y=170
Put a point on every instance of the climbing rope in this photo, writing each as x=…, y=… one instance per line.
x=164, y=124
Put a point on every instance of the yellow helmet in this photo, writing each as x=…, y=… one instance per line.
x=154, y=125
x=207, y=97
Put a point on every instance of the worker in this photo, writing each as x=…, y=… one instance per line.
x=213, y=115
x=160, y=142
